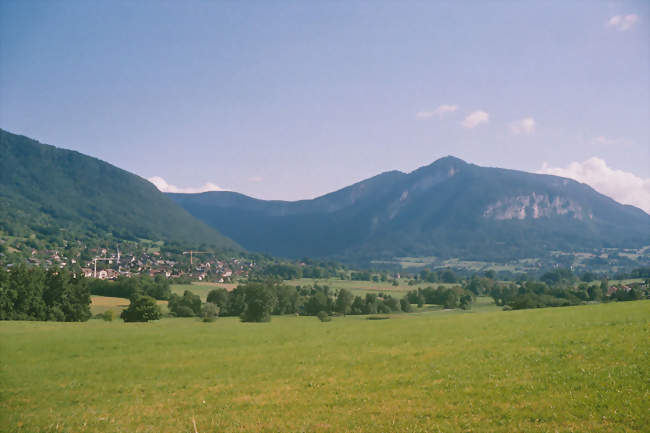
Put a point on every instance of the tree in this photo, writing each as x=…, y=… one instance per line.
x=141, y=309
x=259, y=301
x=317, y=302
x=185, y=306
x=594, y=292
x=218, y=297
x=287, y=300
x=466, y=302
x=343, y=301
x=604, y=286
x=358, y=306
x=236, y=302
x=450, y=299
x=405, y=305
x=392, y=303
x=27, y=287
x=448, y=276
x=370, y=304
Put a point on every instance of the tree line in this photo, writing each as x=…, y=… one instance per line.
x=30, y=293
x=257, y=301
x=126, y=287
x=559, y=288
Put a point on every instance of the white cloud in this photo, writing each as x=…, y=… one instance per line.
x=524, y=126
x=163, y=186
x=622, y=22
x=601, y=139
x=440, y=112
x=474, y=119
x=622, y=186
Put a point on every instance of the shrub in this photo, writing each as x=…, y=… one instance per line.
x=323, y=316
x=209, y=312
x=141, y=309
x=383, y=308
x=187, y=305
x=183, y=311
x=108, y=316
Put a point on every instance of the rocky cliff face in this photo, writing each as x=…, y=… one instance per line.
x=535, y=206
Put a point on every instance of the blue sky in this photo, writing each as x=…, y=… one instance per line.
x=289, y=100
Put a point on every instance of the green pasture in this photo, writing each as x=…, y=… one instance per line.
x=201, y=289
x=362, y=287
x=567, y=369
x=359, y=288
x=409, y=263
x=100, y=304
x=626, y=281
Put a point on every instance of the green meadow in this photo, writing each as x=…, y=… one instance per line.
x=359, y=288
x=579, y=369
x=201, y=289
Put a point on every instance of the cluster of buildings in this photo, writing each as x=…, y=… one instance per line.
x=105, y=264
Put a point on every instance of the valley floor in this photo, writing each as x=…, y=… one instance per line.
x=579, y=368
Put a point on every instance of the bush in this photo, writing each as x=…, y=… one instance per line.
x=209, y=312
x=108, y=316
x=141, y=309
x=323, y=316
x=187, y=305
x=218, y=297
x=383, y=308
x=183, y=311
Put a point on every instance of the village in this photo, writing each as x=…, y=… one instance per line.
x=109, y=264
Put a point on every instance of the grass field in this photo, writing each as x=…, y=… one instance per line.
x=201, y=289
x=362, y=287
x=99, y=304
x=356, y=287
x=565, y=369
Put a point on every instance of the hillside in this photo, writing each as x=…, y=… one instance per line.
x=47, y=191
x=447, y=209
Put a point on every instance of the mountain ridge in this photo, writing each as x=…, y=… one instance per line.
x=449, y=202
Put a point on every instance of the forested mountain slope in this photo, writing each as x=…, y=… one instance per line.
x=47, y=191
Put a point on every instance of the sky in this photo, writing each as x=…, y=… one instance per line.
x=291, y=100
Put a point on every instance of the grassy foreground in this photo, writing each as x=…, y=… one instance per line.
x=566, y=369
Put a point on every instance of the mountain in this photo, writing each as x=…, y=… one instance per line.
x=47, y=191
x=447, y=209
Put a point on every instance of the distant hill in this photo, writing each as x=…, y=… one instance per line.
x=47, y=191
x=447, y=209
